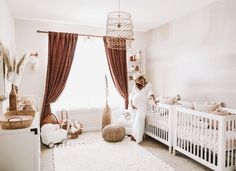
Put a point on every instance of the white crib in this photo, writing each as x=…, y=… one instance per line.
x=207, y=138
x=159, y=122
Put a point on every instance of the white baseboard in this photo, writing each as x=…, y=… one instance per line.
x=90, y=129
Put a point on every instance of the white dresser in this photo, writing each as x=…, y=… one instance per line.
x=20, y=148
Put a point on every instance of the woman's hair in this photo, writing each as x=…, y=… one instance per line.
x=142, y=77
x=140, y=86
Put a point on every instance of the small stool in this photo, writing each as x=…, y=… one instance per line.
x=113, y=133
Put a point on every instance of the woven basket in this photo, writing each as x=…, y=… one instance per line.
x=16, y=122
x=21, y=112
x=74, y=135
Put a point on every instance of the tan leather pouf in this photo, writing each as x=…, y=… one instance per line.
x=113, y=133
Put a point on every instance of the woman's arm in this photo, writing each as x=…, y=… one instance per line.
x=131, y=97
x=131, y=103
x=151, y=94
x=154, y=99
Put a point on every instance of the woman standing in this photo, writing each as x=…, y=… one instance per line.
x=139, y=96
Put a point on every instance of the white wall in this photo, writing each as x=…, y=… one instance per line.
x=33, y=82
x=195, y=55
x=6, y=35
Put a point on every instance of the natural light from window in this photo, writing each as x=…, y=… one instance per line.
x=85, y=87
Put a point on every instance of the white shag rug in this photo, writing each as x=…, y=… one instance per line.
x=104, y=156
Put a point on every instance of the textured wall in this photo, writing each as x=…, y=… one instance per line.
x=195, y=55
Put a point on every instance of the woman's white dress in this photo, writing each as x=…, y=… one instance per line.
x=140, y=100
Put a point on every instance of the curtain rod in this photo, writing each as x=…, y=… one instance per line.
x=86, y=35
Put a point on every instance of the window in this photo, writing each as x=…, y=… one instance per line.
x=85, y=87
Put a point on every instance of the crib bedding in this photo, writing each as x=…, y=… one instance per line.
x=205, y=137
x=158, y=122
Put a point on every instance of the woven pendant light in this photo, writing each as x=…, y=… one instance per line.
x=119, y=30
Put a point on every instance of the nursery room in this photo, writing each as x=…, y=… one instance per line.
x=117, y=85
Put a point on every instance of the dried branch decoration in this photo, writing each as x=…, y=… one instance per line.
x=6, y=58
x=20, y=63
x=106, y=89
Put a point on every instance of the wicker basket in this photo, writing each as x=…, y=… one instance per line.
x=74, y=135
x=21, y=113
x=15, y=122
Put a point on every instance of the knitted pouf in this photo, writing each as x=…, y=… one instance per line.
x=113, y=133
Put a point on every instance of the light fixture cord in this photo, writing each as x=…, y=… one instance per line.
x=118, y=5
x=118, y=25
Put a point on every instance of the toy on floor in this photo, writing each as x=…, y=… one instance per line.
x=75, y=129
x=125, y=121
x=52, y=134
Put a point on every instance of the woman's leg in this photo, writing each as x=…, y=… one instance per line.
x=139, y=126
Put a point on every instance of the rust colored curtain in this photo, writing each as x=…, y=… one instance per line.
x=61, y=49
x=118, y=68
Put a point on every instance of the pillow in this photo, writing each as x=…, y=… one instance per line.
x=167, y=100
x=221, y=113
x=205, y=107
x=188, y=105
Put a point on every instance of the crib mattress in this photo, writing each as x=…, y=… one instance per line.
x=157, y=122
x=206, y=139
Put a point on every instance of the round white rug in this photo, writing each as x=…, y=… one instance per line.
x=104, y=156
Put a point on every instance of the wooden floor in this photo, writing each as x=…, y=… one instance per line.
x=178, y=162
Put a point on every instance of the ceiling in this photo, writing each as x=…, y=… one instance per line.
x=146, y=14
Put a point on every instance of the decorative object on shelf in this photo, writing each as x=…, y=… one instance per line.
x=34, y=60
x=13, y=104
x=119, y=29
x=132, y=58
x=26, y=103
x=132, y=68
x=14, y=74
x=15, y=70
x=21, y=113
x=138, y=56
x=131, y=77
x=3, y=54
x=17, y=119
x=106, y=114
x=16, y=122
x=135, y=65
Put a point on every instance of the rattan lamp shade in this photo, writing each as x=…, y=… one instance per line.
x=119, y=30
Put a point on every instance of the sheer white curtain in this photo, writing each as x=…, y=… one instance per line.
x=85, y=87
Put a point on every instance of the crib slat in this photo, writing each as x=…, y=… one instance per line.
x=184, y=131
x=187, y=131
x=181, y=126
x=187, y=125
x=194, y=136
x=232, y=138
x=165, y=121
x=177, y=127
x=228, y=141
x=205, y=135
x=202, y=135
x=198, y=134
x=191, y=134
x=209, y=140
x=214, y=140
